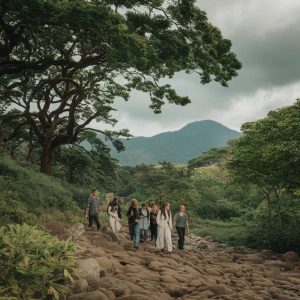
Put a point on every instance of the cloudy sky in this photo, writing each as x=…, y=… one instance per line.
x=266, y=38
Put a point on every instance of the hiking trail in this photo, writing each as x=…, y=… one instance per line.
x=111, y=269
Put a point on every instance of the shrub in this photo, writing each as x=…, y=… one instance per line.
x=33, y=264
x=36, y=190
x=279, y=239
x=12, y=211
x=217, y=209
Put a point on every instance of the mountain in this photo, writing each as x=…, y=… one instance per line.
x=177, y=146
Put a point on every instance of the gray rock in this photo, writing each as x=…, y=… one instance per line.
x=79, y=286
x=95, y=295
x=290, y=256
x=88, y=266
x=76, y=230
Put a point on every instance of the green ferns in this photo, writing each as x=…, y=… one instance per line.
x=33, y=264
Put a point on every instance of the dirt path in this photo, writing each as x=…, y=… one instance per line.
x=113, y=269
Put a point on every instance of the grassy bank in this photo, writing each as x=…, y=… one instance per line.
x=26, y=194
x=256, y=236
x=229, y=232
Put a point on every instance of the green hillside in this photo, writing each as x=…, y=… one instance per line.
x=176, y=147
x=26, y=194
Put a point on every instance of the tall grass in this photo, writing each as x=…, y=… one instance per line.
x=25, y=192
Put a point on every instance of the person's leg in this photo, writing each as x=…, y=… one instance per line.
x=152, y=232
x=145, y=234
x=160, y=238
x=112, y=223
x=130, y=226
x=91, y=218
x=141, y=234
x=96, y=218
x=118, y=227
x=155, y=231
x=134, y=234
x=183, y=237
x=179, y=236
x=168, y=238
x=136, y=237
x=180, y=231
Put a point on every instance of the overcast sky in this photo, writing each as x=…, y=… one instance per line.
x=266, y=38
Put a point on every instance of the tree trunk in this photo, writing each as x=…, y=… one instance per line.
x=269, y=205
x=1, y=140
x=46, y=158
x=30, y=146
x=278, y=206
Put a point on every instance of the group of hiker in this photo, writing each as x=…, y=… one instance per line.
x=144, y=223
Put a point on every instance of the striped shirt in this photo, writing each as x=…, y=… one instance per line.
x=93, y=204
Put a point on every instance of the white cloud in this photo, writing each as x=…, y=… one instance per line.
x=257, y=105
x=252, y=17
x=265, y=36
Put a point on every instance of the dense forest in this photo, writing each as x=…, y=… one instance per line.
x=62, y=65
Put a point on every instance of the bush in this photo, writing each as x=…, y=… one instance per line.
x=33, y=264
x=35, y=190
x=278, y=239
x=219, y=209
x=12, y=211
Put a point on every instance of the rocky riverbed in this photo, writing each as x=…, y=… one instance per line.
x=111, y=268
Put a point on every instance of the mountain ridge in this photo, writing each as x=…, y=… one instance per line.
x=177, y=146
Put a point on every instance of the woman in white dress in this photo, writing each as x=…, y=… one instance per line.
x=115, y=216
x=164, y=228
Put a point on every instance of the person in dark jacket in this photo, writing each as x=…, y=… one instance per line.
x=133, y=215
x=153, y=223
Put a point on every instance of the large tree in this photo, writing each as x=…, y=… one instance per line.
x=268, y=155
x=63, y=63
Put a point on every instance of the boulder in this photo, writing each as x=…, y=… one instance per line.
x=290, y=256
x=76, y=231
x=54, y=228
x=135, y=269
x=177, y=291
x=168, y=279
x=213, y=271
x=88, y=266
x=79, y=286
x=267, y=253
x=102, y=242
x=92, y=280
x=255, y=258
x=109, y=294
x=263, y=282
x=219, y=289
x=156, y=266
x=205, y=294
x=106, y=264
x=295, y=281
x=135, y=297
x=95, y=295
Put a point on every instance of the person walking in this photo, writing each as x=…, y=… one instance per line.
x=93, y=208
x=144, y=222
x=164, y=228
x=133, y=215
x=153, y=223
x=115, y=217
x=182, y=225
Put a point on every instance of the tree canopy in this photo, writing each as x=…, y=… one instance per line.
x=268, y=155
x=63, y=63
